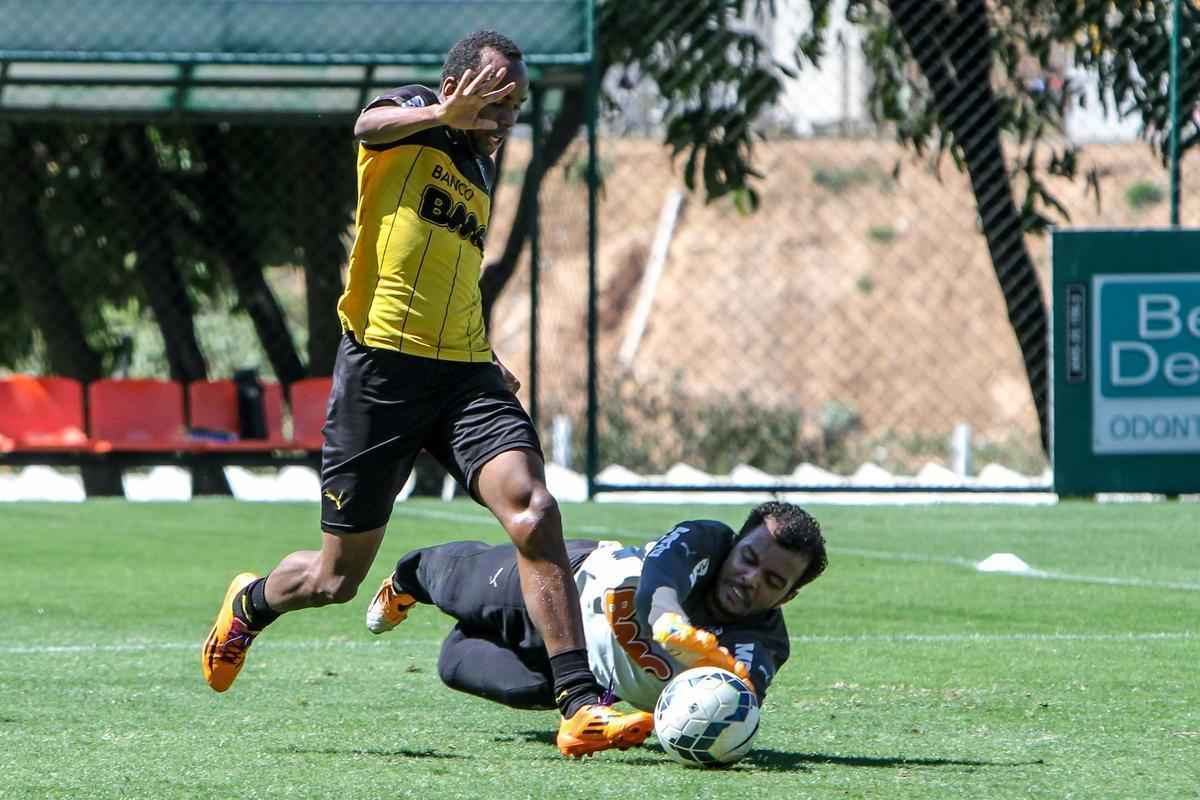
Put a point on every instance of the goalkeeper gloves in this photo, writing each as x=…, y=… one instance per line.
x=696, y=647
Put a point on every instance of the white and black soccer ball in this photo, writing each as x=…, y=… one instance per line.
x=706, y=716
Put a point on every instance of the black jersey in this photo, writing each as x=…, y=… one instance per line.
x=617, y=586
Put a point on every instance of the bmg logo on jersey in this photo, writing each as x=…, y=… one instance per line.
x=439, y=208
x=1146, y=352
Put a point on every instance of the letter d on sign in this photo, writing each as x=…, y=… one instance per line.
x=1132, y=380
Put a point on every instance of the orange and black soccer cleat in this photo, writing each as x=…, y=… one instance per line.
x=227, y=642
x=388, y=608
x=599, y=727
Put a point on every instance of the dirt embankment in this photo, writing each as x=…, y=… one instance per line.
x=850, y=286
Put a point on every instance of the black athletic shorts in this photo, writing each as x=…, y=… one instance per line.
x=494, y=650
x=385, y=407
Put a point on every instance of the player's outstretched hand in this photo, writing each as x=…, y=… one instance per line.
x=685, y=642
x=471, y=93
x=696, y=647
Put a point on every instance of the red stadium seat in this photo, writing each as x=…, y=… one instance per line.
x=213, y=406
x=309, y=398
x=43, y=414
x=138, y=414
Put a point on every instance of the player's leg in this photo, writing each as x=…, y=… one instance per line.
x=371, y=439
x=463, y=579
x=303, y=579
x=473, y=582
x=489, y=444
x=312, y=578
x=487, y=441
x=494, y=651
x=512, y=484
x=473, y=663
x=478, y=584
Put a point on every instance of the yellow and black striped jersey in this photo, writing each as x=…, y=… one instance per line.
x=424, y=203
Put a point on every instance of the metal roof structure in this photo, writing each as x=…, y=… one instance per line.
x=184, y=58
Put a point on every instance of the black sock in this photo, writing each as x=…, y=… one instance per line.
x=250, y=605
x=406, y=578
x=397, y=586
x=574, y=684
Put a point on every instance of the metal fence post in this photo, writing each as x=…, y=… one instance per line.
x=593, y=180
x=1174, y=100
x=535, y=248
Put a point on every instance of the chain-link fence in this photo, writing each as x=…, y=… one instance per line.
x=857, y=272
x=887, y=301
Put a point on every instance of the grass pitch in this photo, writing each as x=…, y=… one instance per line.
x=912, y=675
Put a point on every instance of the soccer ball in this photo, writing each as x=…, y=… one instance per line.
x=706, y=716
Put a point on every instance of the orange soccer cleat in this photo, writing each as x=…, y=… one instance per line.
x=599, y=727
x=227, y=642
x=388, y=608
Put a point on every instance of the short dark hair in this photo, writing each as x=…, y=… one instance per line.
x=797, y=531
x=466, y=52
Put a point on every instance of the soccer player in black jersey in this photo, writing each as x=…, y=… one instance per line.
x=700, y=595
x=415, y=371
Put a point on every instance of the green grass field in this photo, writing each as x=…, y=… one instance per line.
x=912, y=674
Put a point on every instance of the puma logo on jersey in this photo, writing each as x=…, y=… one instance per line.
x=337, y=499
x=744, y=653
x=666, y=541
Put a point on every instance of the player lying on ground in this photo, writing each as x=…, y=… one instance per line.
x=701, y=595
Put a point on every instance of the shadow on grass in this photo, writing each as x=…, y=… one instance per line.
x=541, y=737
x=367, y=751
x=766, y=760
x=778, y=760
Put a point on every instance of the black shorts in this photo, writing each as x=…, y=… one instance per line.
x=478, y=585
x=385, y=407
x=494, y=650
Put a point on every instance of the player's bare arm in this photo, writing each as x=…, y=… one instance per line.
x=390, y=123
x=463, y=101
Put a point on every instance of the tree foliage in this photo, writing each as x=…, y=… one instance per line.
x=715, y=76
x=102, y=217
x=714, y=70
x=949, y=77
x=956, y=79
x=1123, y=47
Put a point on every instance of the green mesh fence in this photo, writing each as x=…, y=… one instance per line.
x=878, y=292
x=820, y=223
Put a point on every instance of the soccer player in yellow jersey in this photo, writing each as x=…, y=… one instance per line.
x=414, y=371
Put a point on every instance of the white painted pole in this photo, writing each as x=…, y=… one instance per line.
x=960, y=449
x=654, y=269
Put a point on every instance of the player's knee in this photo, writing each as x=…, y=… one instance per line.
x=537, y=524
x=448, y=669
x=334, y=589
